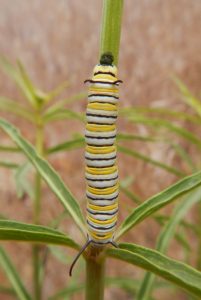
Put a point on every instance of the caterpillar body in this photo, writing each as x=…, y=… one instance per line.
x=100, y=154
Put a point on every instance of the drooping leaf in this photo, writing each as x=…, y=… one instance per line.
x=23, y=186
x=47, y=173
x=13, y=276
x=17, y=231
x=158, y=201
x=174, y=271
x=12, y=106
x=166, y=236
x=69, y=145
x=8, y=165
x=149, y=160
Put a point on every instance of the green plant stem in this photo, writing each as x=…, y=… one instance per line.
x=95, y=273
x=199, y=242
x=37, y=205
x=111, y=27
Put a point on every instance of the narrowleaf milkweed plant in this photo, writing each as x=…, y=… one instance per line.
x=102, y=186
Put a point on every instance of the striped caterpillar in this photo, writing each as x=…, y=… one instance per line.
x=100, y=154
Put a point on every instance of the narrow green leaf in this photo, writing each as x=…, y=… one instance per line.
x=23, y=186
x=16, y=75
x=187, y=96
x=61, y=103
x=129, y=137
x=149, y=160
x=17, y=231
x=8, y=165
x=48, y=174
x=174, y=271
x=7, y=290
x=166, y=236
x=69, y=291
x=189, y=136
x=160, y=111
x=158, y=201
x=135, y=198
x=69, y=145
x=13, y=276
x=14, y=107
x=9, y=148
x=62, y=114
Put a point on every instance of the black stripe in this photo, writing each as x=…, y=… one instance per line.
x=108, y=166
x=102, y=199
x=101, y=137
x=100, y=116
x=107, y=73
x=99, y=123
x=102, y=179
x=102, y=228
x=100, y=145
x=102, y=213
x=102, y=82
x=100, y=158
x=103, y=95
x=102, y=102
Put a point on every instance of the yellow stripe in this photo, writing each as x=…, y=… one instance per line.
x=102, y=222
x=103, y=208
x=102, y=128
x=105, y=191
x=102, y=106
x=105, y=77
x=105, y=237
x=101, y=90
x=100, y=150
x=101, y=171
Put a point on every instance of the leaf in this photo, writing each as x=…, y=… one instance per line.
x=129, y=137
x=150, y=160
x=135, y=198
x=7, y=290
x=19, y=78
x=165, y=237
x=174, y=271
x=12, y=106
x=9, y=148
x=67, y=291
x=161, y=111
x=23, y=185
x=8, y=165
x=170, y=126
x=47, y=173
x=187, y=96
x=61, y=103
x=13, y=276
x=17, y=231
x=63, y=114
x=158, y=201
x=69, y=145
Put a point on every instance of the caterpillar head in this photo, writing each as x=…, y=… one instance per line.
x=106, y=65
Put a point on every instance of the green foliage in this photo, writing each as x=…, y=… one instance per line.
x=41, y=109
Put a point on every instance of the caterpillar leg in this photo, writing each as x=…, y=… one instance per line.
x=78, y=255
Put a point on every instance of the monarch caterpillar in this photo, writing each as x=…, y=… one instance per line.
x=100, y=154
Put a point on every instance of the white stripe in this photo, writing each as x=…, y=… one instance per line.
x=102, y=196
x=102, y=112
x=91, y=141
x=109, y=176
x=107, y=155
x=102, y=99
x=100, y=133
x=98, y=120
x=102, y=183
x=100, y=163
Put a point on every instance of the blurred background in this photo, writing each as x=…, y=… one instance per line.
x=58, y=41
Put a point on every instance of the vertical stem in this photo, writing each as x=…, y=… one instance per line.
x=37, y=207
x=111, y=27
x=95, y=271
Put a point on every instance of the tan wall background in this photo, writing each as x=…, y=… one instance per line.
x=58, y=40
